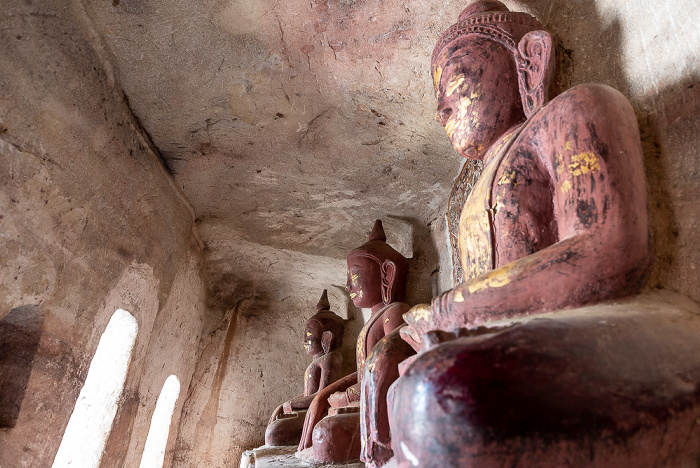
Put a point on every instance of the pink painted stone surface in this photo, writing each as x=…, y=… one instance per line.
x=558, y=220
x=376, y=280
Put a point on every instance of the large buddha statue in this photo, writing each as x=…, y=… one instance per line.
x=546, y=355
x=323, y=337
x=376, y=280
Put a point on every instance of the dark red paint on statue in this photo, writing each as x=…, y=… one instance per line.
x=376, y=280
x=323, y=337
x=600, y=386
x=557, y=221
x=383, y=360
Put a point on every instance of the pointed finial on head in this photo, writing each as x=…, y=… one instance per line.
x=377, y=232
x=482, y=6
x=323, y=303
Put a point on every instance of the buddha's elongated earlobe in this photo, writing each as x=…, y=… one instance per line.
x=535, y=63
x=388, y=277
x=326, y=341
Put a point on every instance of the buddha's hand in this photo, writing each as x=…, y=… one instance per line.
x=276, y=414
x=441, y=309
x=417, y=320
x=287, y=406
x=338, y=400
x=425, y=325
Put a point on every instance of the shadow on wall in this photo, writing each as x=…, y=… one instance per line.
x=423, y=265
x=20, y=333
x=670, y=127
x=226, y=290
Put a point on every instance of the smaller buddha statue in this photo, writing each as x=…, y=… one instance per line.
x=323, y=337
x=376, y=280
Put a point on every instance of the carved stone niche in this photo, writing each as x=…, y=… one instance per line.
x=20, y=333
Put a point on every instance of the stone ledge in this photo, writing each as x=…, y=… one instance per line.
x=284, y=457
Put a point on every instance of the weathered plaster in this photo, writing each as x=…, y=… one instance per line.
x=289, y=127
x=90, y=222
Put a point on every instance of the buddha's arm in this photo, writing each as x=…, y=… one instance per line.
x=575, y=271
x=394, y=317
x=301, y=401
x=276, y=413
x=569, y=273
x=330, y=370
x=599, y=198
x=327, y=373
x=320, y=404
x=391, y=319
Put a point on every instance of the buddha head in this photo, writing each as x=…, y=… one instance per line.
x=376, y=272
x=324, y=331
x=491, y=70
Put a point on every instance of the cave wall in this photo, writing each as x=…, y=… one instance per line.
x=91, y=222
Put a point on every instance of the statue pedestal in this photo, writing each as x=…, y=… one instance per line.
x=336, y=438
x=613, y=384
x=286, y=429
x=283, y=457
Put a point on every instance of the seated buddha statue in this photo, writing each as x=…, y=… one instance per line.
x=376, y=280
x=548, y=354
x=323, y=337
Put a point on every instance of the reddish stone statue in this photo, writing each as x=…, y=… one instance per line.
x=545, y=355
x=376, y=280
x=323, y=337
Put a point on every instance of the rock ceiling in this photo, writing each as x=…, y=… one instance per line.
x=290, y=124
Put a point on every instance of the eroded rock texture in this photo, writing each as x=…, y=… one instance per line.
x=91, y=222
x=174, y=160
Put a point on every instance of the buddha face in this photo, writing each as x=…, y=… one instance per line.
x=477, y=92
x=312, y=338
x=364, y=282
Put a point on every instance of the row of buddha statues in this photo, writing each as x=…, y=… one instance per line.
x=327, y=415
x=551, y=353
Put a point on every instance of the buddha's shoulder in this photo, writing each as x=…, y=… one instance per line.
x=589, y=102
x=395, y=308
x=315, y=364
x=325, y=360
x=334, y=355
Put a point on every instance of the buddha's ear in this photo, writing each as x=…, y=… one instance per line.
x=388, y=277
x=326, y=341
x=535, y=62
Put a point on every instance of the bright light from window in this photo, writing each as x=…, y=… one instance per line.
x=89, y=425
x=154, y=451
